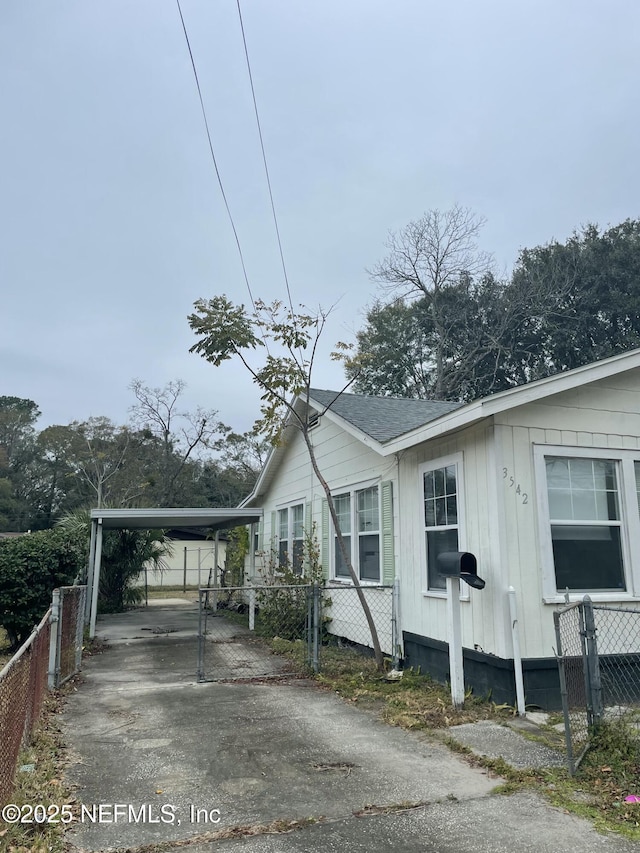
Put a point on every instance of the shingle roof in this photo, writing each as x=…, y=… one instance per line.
x=382, y=418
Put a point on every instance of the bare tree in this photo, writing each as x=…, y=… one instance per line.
x=180, y=434
x=429, y=256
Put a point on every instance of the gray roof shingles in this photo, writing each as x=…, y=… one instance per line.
x=383, y=418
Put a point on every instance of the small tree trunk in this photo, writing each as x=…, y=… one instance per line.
x=346, y=556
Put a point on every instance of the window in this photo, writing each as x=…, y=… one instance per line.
x=291, y=537
x=586, y=523
x=358, y=514
x=441, y=511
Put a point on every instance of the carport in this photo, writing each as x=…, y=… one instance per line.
x=157, y=519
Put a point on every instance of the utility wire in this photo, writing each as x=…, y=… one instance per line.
x=213, y=157
x=264, y=159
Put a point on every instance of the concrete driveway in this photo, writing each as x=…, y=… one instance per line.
x=271, y=766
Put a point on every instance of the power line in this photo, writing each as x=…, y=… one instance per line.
x=213, y=157
x=264, y=159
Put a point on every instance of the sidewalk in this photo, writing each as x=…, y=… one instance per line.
x=144, y=733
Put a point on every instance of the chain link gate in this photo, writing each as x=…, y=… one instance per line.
x=598, y=652
x=235, y=622
x=579, y=673
x=242, y=631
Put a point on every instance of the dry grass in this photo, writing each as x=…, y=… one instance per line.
x=42, y=784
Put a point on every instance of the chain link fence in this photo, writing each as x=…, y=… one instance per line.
x=618, y=641
x=23, y=685
x=68, y=633
x=242, y=629
x=50, y=656
x=598, y=652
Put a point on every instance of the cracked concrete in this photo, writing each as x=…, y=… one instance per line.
x=187, y=755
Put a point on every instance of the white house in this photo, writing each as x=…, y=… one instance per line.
x=540, y=482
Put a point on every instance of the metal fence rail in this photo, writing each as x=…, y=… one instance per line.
x=234, y=623
x=23, y=685
x=598, y=652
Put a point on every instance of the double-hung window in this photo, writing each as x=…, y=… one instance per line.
x=358, y=514
x=589, y=516
x=291, y=537
x=441, y=499
x=585, y=513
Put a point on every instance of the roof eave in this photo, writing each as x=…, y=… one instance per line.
x=514, y=397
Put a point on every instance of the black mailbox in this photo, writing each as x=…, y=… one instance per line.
x=460, y=564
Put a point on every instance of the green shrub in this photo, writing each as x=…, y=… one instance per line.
x=31, y=567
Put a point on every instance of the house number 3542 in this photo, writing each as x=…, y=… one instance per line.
x=511, y=482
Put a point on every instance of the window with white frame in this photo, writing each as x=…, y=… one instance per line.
x=441, y=514
x=589, y=516
x=291, y=537
x=358, y=514
x=585, y=518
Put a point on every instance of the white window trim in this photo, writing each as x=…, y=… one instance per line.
x=456, y=459
x=288, y=506
x=629, y=517
x=351, y=490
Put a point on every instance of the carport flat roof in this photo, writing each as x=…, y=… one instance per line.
x=152, y=518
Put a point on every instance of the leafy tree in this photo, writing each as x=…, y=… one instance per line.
x=17, y=438
x=17, y=419
x=227, y=331
x=565, y=304
x=592, y=293
x=8, y=504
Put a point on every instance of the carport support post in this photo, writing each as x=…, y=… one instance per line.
x=92, y=556
x=454, y=634
x=96, y=579
x=215, y=570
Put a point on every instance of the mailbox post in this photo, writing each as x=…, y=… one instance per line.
x=456, y=566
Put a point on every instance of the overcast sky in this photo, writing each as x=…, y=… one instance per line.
x=112, y=222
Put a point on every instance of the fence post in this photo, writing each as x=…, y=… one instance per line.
x=317, y=612
x=252, y=609
x=592, y=665
x=395, y=623
x=309, y=632
x=80, y=626
x=54, y=621
x=200, y=671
